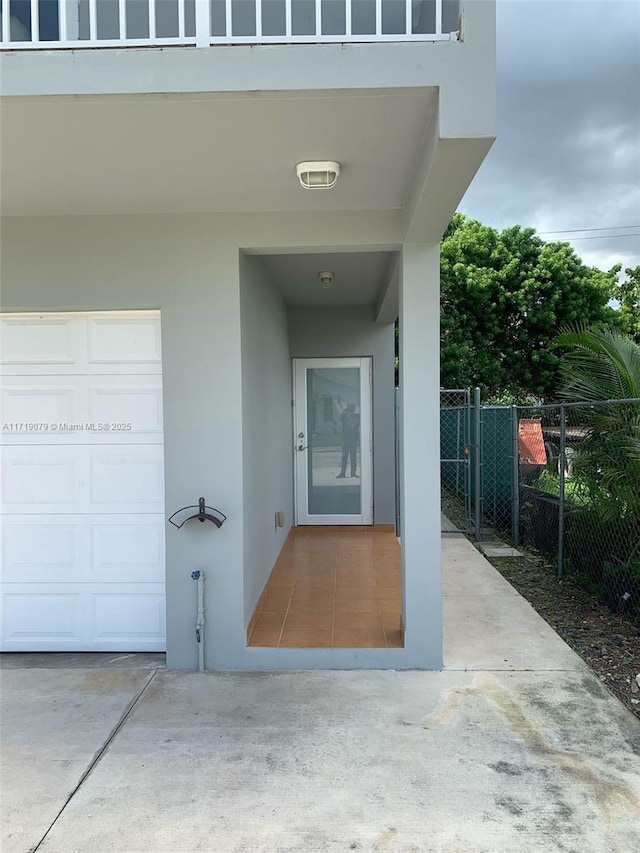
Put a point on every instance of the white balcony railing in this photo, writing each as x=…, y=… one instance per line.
x=48, y=24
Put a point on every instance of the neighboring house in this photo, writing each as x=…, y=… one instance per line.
x=161, y=274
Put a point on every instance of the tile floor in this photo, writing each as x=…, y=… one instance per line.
x=333, y=587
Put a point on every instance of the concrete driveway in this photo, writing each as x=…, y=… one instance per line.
x=514, y=747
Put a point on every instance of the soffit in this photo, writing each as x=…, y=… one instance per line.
x=359, y=277
x=186, y=153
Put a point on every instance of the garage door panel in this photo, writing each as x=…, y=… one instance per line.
x=84, y=479
x=50, y=616
x=28, y=407
x=135, y=402
x=79, y=343
x=38, y=340
x=81, y=617
x=104, y=409
x=131, y=619
x=127, y=551
x=83, y=548
x=125, y=478
x=123, y=340
x=42, y=344
x=40, y=549
x=42, y=479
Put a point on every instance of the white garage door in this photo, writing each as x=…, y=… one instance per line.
x=82, y=482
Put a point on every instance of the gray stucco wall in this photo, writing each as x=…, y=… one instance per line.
x=187, y=268
x=267, y=437
x=352, y=331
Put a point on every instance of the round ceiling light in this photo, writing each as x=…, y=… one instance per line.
x=326, y=279
x=318, y=174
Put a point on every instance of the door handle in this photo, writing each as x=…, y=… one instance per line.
x=302, y=447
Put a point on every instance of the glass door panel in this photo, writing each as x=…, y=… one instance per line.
x=333, y=441
x=333, y=452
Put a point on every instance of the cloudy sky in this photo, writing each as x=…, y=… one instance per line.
x=568, y=148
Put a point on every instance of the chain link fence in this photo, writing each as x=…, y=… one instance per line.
x=476, y=463
x=455, y=457
x=561, y=479
x=579, y=495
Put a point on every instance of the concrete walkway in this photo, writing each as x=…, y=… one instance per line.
x=514, y=748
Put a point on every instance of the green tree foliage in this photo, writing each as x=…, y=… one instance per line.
x=504, y=297
x=626, y=291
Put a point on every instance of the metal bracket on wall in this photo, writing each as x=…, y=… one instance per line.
x=204, y=513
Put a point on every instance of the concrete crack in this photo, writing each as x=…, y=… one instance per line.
x=97, y=757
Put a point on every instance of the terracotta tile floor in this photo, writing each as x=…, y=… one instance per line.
x=333, y=587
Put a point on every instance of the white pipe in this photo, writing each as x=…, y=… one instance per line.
x=199, y=577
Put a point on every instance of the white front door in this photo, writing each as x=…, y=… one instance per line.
x=81, y=453
x=333, y=443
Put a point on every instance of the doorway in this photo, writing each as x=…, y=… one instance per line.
x=333, y=441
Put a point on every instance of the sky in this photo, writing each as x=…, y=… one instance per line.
x=568, y=149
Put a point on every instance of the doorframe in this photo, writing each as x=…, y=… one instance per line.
x=300, y=466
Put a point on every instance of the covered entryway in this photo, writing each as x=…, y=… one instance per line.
x=328, y=576
x=82, y=482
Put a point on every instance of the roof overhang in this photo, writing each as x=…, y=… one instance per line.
x=211, y=153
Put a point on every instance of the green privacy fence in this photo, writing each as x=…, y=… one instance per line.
x=496, y=466
x=477, y=460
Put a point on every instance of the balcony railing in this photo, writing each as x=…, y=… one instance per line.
x=49, y=24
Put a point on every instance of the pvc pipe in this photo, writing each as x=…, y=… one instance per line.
x=200, y=620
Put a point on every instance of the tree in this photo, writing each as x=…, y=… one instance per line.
x=504, y=297
x=599, y=365
x=626, y=291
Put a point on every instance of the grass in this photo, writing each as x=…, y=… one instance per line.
x=575, y=491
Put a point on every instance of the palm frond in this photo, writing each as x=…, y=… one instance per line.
x=598, y=364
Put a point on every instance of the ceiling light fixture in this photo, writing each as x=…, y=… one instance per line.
x=326, y=279
x=318, y=174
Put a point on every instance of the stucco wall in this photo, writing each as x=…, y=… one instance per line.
x=267, y=436
x=188, y=271
x=188, y=267
x=352, y=331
